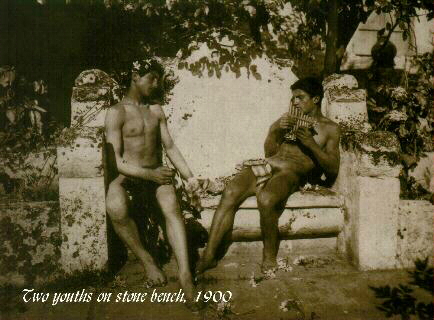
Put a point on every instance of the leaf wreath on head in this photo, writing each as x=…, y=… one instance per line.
x=153, y=64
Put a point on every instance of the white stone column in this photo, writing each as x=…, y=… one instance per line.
x=368, y=178
x=81, y=175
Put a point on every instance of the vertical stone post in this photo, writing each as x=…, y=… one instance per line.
x=81, y=175
x=368, y=178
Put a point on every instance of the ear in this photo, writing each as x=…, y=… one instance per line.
x=135, y=76
x=316, y=99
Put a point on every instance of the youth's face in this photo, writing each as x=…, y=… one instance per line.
x=303, y=101
x=146, y=84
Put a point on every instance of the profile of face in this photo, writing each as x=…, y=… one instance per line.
x=146, y=84
x=303, y=101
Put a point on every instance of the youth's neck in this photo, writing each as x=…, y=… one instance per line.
x=316, y=113
x=134, y=96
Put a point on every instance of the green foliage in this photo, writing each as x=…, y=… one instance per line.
x=401, y=300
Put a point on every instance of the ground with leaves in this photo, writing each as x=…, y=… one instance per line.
x=307, y=286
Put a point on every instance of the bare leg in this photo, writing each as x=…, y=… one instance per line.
x=242, y=186
x=271, y=203
x=125, y=227
x=166, y=198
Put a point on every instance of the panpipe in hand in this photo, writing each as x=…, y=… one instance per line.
x=302, y=121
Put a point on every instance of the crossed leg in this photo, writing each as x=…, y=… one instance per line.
x=271, y=203
x=242, y=186
x=126, y=228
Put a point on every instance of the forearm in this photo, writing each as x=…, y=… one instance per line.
x=273, y=141
x=179, y=162
x=328, y=163
x=131, y=170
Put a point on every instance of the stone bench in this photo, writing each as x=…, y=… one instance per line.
x=363, y=216
x=307, y=214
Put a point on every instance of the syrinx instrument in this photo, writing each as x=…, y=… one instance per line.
x=302, y=121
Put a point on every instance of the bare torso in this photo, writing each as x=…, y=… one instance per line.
x=141, y=136
x=293, y=157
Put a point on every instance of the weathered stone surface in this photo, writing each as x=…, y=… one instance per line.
x=340, y=81
x=424, y=172
x=83, y=158
x=94, y=91
x=308, y=199
x=37, y=169
x=415, y=232
x=346, y=106
x=378, y=155
x=293, y=224
x=29, y=242
x=90, y=114
x=375, y=223
x=83, y=223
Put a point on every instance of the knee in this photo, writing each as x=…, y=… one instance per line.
x=231, y=195
x=116, y=209
x=267, y=200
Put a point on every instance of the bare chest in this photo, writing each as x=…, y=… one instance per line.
x=320, y=135
x=139, y=121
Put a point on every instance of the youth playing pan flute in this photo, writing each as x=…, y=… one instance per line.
x=298, y=144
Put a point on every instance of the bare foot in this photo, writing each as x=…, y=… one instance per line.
x=204, y=264
x=155, y=277
x=268, y=265
x=186, y=281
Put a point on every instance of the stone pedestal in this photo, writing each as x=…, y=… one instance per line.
x=368, y=179
x=81, y=175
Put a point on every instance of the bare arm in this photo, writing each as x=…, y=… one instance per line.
x=328, y=158
x=114, y=121
x=171, y=149
x=274, y=139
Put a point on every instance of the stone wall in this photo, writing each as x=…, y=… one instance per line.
x=415, y=232
x=218, y=123
x=29, y=242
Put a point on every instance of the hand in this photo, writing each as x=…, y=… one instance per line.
x=287, y=122
x=192, y=185
x=162, y=175
x=304, y=135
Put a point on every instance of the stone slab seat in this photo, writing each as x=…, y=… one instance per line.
x=307, y=214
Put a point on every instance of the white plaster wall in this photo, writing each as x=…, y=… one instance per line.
x=230, y=117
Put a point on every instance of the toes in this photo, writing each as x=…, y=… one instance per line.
x=195, y=306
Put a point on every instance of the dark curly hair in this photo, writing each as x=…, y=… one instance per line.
x=310, y=85
x=144, y=66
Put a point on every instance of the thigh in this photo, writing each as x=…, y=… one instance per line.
x=277, y=190
x=242, y=185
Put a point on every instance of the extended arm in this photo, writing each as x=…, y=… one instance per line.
x=274, y=139
x=171, y=149
x=113, y=131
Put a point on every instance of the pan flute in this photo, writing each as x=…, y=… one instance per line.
x=302, y=121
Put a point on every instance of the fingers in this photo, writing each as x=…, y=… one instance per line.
x=166, y=171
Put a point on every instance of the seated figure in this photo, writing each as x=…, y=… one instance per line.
x=301, y=144
x=136, y=130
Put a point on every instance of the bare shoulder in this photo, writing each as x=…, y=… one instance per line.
x=331, y=127
x=115, y=114
x=158, y=111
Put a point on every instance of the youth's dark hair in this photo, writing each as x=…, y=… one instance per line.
x=146, y=66
x=167, y=79
x=310, y=85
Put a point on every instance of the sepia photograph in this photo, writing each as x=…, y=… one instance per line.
x=216, y=159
